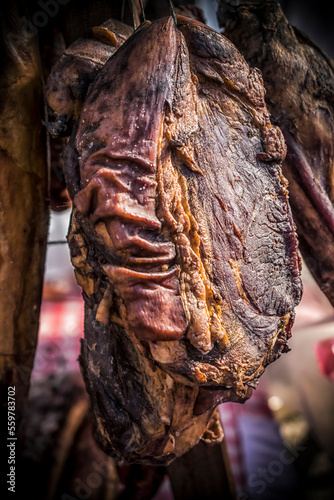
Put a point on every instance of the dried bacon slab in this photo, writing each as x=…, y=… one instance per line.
x=181, y=237
x=299, y=80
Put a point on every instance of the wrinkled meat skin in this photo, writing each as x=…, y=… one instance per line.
x=301, y=102
x=181, y=236
x=121, y=193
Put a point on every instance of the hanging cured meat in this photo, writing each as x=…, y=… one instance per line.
x=299, y=82
x=71, y=76
x=181, y=237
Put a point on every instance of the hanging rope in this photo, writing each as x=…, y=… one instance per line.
x=133, y=14
x=142, y=10
x=123, y=11
x=172, y=11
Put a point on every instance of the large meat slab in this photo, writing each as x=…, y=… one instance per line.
x=182, y=238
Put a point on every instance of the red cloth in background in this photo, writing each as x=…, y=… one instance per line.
x=324, y=352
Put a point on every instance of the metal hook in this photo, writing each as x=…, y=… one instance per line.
x=173, y=12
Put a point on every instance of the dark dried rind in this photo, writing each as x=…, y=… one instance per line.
x=299, y=81
x=182, y=237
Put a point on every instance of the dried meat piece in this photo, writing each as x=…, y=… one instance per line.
x=71, y=76
x=181, y=236
x=299, y=81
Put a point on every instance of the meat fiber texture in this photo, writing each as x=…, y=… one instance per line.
x=181, y=236
x=299, y=82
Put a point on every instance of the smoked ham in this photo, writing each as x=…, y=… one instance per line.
x=181, y=237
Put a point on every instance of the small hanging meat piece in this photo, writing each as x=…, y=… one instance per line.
x=299, y=82
x=71, y=76
x=181, y=236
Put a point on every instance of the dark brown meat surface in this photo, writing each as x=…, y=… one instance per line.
x=181, y=236
x=299, y=82
x=72, y=74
